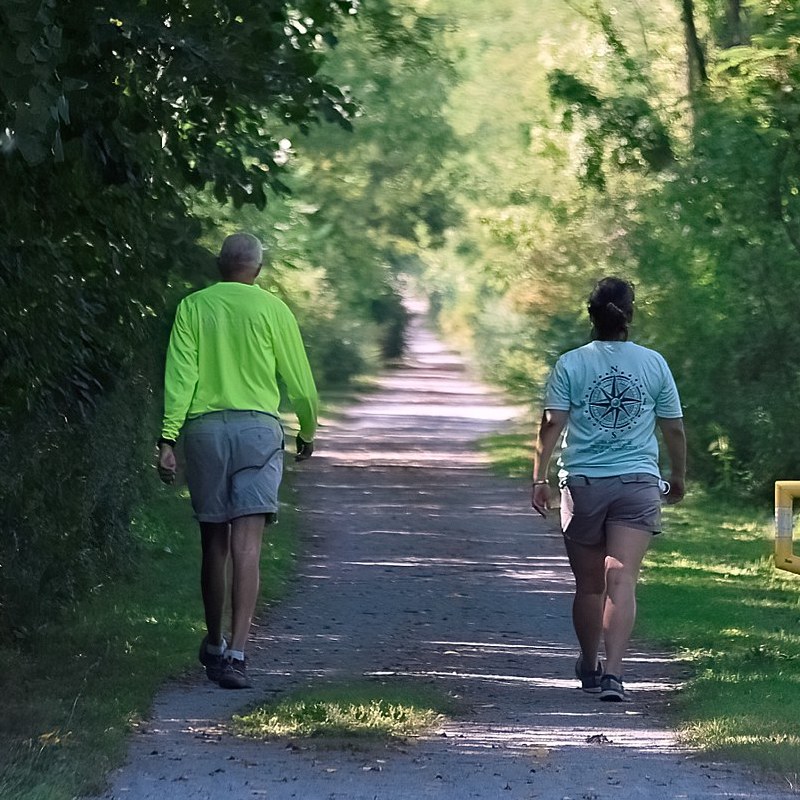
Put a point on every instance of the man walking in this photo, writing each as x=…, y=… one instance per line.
x=228, y=344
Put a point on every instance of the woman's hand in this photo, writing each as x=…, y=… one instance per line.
x=677, y=489
x=540, y=497
x=550, y=428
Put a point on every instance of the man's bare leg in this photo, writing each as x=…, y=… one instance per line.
x=215, y=537
x=246, y=536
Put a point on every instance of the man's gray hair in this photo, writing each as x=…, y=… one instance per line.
x=240, y=250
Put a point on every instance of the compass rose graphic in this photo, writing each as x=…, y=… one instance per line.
x=615, y=401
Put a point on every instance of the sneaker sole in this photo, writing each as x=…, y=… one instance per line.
x=234, y=684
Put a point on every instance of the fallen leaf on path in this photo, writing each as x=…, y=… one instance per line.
x=598, y=738
x=540, y=752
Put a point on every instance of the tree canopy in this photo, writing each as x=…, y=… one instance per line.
x=659, y=143
x=134, y=136
x=506, y=155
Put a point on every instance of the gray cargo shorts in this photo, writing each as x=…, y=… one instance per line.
x=234, y=464
x=589, y=504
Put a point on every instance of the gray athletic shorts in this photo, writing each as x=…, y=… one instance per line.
x=234, y=464
x=589, y=504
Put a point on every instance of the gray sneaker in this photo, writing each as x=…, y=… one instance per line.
x=611, y=688
x=234, y=674
x=213, y=664
x=590, y=680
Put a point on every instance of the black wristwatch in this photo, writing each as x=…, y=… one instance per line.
x=162, y=440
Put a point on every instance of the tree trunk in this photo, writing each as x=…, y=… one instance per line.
x=735, y=33
x=697, y=59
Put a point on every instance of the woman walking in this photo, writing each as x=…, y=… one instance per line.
x=607, y=398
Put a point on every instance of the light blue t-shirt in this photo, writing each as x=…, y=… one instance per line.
x=613, y=391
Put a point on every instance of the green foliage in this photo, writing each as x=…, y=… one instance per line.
x=624, y=128
x=716, y=244
x=623, y=169
x=67, y=495
x=125, y=130
x=362, y=202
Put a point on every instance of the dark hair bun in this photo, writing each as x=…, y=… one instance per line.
x=611, y=307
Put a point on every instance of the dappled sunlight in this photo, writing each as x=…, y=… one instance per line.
x=474, y=590
x=547, y=727
x=433, y=383
x=564, y=684
x=498, y=157
x=500, y=565
x=425, y=534
x=408, y=459
x=435, y=410
x=518, y=741
x=725, y=570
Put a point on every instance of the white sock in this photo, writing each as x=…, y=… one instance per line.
x=217, y=650
x=237, y=655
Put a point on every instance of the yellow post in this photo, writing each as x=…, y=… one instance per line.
x=785, y=492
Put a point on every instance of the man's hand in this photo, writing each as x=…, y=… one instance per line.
x=167, y=464
x=304, y=449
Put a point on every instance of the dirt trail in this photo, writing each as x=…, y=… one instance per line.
x=419, y=562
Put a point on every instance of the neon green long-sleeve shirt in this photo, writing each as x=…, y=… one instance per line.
x=229, y=343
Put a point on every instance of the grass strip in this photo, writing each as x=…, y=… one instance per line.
x=710, y=592
x=367, y=710
x=75, y=688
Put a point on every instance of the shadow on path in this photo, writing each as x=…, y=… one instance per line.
x=420, y=563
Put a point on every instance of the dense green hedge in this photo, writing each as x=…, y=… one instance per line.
x=111, y=117
x=133, y=137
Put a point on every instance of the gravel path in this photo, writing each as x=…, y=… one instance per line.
x=419, y=562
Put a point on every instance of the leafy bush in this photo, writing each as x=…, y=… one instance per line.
x=111, y=119
x=70, y=492
x=131, y=138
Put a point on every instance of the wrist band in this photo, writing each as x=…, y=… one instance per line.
x=540, y=483
x=162, y=440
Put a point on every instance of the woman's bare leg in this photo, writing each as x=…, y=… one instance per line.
x=625, y=549
x=588, y=567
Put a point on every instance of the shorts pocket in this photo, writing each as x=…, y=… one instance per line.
x=586, y=499
x=256, y=445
